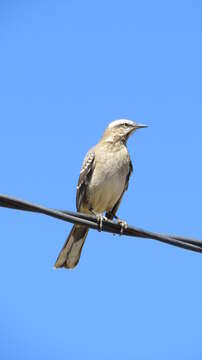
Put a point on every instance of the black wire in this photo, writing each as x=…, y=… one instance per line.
x=108, y=226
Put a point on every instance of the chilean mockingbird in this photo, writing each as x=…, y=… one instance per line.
x=102, y=182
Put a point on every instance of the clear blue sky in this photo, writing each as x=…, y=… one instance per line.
x=68, y=68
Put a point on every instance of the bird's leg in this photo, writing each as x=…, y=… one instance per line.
x=100, y=219
x=123, y=224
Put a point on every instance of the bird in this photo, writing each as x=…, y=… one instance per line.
x=103, y=180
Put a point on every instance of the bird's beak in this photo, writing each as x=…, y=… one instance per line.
x=140, y=126
x=136, y=127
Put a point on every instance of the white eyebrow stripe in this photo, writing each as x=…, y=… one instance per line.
x=119, y=122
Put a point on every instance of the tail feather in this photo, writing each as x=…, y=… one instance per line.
x=70, y=254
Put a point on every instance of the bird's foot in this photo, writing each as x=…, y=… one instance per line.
x=123, y=224
x=100, y=219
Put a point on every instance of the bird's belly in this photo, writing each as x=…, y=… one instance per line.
x=105, y=190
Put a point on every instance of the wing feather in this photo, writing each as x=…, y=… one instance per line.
x=84, y=178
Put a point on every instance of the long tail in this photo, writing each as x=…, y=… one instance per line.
x=70, y=254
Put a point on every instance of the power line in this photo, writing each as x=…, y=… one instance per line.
x=108, y=225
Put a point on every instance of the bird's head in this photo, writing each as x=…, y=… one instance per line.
x=120, y=130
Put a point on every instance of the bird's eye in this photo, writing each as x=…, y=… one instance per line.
x=125, y=125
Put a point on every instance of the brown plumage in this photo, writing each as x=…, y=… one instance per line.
x=102, y=182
